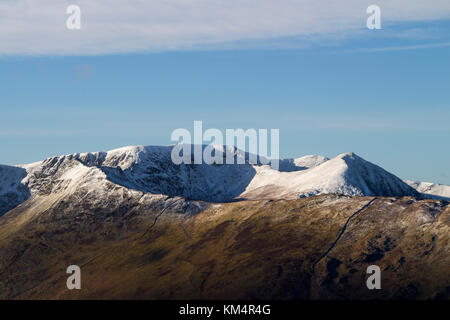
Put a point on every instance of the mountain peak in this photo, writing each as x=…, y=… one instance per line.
x=349, y=155
x=149, y=169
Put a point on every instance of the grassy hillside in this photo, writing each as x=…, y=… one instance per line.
x=294, y=249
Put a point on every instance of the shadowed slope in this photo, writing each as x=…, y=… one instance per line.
x=12, y=191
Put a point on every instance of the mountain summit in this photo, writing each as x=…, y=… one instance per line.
x=150, y=170
x=346, y=174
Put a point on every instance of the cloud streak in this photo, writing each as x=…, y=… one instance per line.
x=38, y=27
x=398, y=48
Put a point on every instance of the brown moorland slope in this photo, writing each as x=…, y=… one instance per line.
x=138, y=246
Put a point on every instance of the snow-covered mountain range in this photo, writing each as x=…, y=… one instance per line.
x=432, y=190
x=150, y=170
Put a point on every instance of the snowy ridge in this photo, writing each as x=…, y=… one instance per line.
x=345, y=174
x=431, y=190
x=303, y=163
x=149, y=169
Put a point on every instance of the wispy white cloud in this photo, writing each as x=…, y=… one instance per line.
x=115, y=26
x=26, y=132
x=399, y=48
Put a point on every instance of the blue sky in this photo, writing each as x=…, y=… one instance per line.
x=383, y=94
